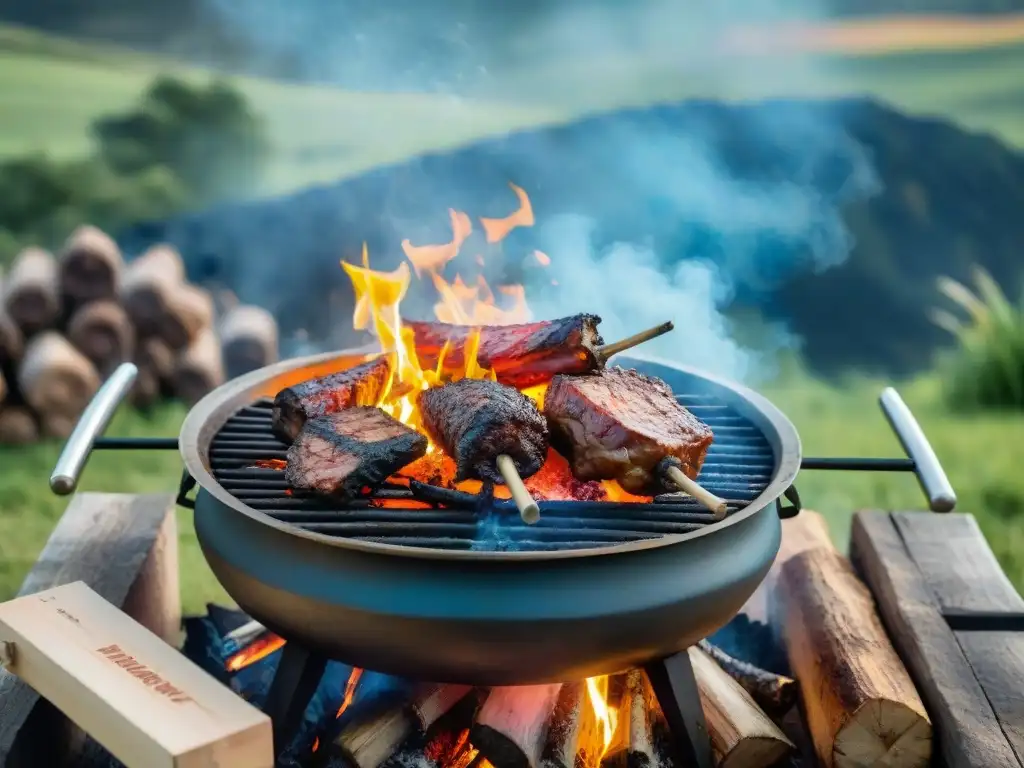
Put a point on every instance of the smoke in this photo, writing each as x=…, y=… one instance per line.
x=717, y=237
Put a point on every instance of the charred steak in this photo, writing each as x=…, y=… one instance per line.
x=619, y=424
x=521, y=355
x=344, y=452
x=475, y=421
x=362, y=385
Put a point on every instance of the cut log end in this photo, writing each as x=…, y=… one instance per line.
x=189, y=313
x=882, y=733
x=31, y=294
x=103, y=333
x=56, y=380
x=199, y=369
x=249, y=339
x=90, y=267
x=17, y=426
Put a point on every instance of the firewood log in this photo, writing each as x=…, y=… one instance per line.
x=775, y=693
x=3, y=388
x=31, y=294
x=573, y=738
x=248, y=337
x=17, y=426
x=742, y=736
x=57, y=381
x=366, y=742
x=90, y=267
x=862, y=708
x=199, y=368
x=103, y=333
x=189, y=312
x=148, y=283
x=511, y=726
x=641, y=735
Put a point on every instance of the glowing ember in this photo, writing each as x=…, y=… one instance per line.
x=270, y=464
x=542, y=258
x=256, y=650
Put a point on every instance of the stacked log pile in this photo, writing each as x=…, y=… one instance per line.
x=68, y=320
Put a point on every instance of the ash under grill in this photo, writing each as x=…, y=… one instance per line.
x=738, y=468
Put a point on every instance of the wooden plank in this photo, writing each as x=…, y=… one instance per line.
x=125, y=547
x=136, y=695
x=956, y=563
x=969, y=732
x=997, y=659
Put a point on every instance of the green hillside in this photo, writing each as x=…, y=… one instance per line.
x=51, y=89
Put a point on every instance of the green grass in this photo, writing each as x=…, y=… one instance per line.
x=52, y=89
x=982, y=456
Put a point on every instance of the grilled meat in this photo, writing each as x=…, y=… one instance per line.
x=619, y=424
x=344, y=452
x=362, y=385
x=521, y=355
x=475, y=421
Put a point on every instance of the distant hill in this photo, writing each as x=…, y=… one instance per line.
x=774, y=194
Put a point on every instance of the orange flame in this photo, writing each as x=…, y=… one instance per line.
x=350, y=690
x=258, y=649
x=432, y=258
x=498, y=229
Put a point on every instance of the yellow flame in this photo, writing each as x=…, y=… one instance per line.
x=607, y=717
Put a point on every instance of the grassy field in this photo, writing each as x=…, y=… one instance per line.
x=982, y=457
x=51, y=90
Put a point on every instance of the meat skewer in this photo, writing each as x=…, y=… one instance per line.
x=619, y=424
x=527, y=354
x=495, y=434
x=363, y=384
x=345, y=452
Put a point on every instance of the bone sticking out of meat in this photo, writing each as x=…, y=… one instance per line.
x=619, y=424
x=495, y=434
x=526, y=354
x=670, y=470
x=344, y=452
x=363, y=384
x=775, y=694
x=369, y=739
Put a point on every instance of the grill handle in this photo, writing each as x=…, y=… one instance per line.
x=90, y=426
x=930, y=474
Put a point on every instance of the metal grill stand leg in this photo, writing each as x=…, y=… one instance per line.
x=676, y=690
x=295, y=681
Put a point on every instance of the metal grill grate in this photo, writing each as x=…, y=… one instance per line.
x=738, y=468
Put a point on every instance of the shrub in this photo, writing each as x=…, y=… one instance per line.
x=986, y=369
x=208, y=138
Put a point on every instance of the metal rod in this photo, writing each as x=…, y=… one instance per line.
x=859, y=464
x=90, y=426
x=136, y=443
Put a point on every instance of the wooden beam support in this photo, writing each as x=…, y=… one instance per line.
x=136, y=695
x=940, y=592
x=124, y=547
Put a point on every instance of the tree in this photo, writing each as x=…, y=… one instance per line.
x=207, y=137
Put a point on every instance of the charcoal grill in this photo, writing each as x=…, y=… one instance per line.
x=465, y=592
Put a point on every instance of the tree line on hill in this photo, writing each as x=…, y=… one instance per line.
x=181, y=146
